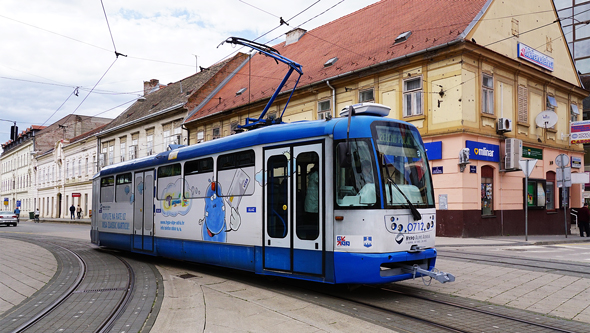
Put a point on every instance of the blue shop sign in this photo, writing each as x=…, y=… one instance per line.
x=531, y=55
x=483, y=151
x=472, y=169
x=437, y=170
x=433, y=150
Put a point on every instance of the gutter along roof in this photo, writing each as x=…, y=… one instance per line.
x=360, y=40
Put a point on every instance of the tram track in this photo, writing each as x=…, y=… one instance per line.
x=92, y=291
x=522, y=262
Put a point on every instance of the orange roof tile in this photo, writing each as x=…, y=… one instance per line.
x=359, y=40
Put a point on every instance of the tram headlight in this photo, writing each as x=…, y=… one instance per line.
x=428, y=226
x=400, y=227
x=393, y=226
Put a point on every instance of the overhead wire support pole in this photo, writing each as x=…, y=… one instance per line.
x=270, y=52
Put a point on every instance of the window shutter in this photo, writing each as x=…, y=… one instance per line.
x=523, y=104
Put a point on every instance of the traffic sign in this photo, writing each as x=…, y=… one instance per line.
x=564, y=177
x=562, y=160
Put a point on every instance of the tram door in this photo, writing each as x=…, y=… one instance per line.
x=294, y=209
x=143, y=211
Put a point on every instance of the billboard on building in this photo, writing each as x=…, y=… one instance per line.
x=580, y=132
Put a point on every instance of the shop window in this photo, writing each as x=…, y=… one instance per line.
x=535, y=193
x=487, y=190
x=487, y=94
x=550, y=191
x=413, y=97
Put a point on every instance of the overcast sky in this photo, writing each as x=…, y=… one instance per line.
x=50, y=47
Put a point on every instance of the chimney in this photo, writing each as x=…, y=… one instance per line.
x=294, y=35
x=150, y=86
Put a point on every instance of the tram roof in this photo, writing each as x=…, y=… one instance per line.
x=274, y=134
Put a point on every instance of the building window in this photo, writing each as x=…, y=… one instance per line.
x=200, y=136
x=86, y=165
x=324, y=109
x=487, y=190
x=413, y=97
x=123, y=147
x=366, y=95
x=150, y=141
x=574, y=112
x=133, y=147
x=111, y=152
x=172, y=133
x=487, y=94
x=550, y=190
x=216, y=133
x=535, y=193
x=523, y=104
x=79, y=167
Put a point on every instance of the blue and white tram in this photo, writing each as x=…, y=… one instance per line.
x=346, y=200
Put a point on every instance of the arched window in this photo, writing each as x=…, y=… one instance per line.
x=487, y=190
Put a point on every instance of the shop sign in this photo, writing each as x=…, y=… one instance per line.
x=5, y=201
x=437, y=170
x=531, y=55
x=483, y=151
x=76, y=195
x=580, y=132
x=473, y=169
x=433, y=150
x=576, y=162
x=17, y=203
x=530, y=152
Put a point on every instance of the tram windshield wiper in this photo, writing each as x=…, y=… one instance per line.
x=415, y=213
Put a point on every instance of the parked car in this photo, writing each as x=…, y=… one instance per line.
x=8, y=218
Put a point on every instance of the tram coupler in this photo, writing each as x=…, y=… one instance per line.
x=439, y=276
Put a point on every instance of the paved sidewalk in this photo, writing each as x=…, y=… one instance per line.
x=24, y=269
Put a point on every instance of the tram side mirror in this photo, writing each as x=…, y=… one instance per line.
x=343, y=155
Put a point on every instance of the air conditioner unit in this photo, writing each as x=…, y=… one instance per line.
x=504, y=125
x=512, y=154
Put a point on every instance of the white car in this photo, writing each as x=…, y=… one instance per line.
x=8, y=218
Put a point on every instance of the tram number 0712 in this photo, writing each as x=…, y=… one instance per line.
x=416, y=226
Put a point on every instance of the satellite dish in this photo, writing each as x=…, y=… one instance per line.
x=547, y=118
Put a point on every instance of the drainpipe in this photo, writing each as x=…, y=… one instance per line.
x=333, y=99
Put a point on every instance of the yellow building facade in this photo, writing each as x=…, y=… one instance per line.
x=483, y=90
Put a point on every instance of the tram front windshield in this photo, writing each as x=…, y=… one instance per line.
x=403, y=166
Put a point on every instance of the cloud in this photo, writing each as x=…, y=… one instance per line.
x=170, y=32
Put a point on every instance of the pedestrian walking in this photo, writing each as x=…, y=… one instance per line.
x=17, y=213
x=72, y=211
x=583, y=220
x=79, y=212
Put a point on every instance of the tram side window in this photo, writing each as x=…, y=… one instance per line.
x=276, y=203
x=123, y=188
x=197, y=175
x=355, y=180
x=107, y=189
x=235, y=174
x=170, y=184
x=308, y=196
